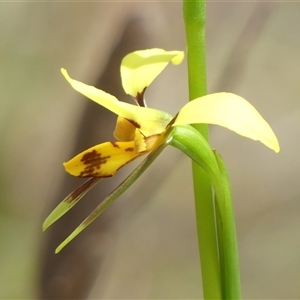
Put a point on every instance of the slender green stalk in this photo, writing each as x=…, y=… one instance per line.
x=194, y=18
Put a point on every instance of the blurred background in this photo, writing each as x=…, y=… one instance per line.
x=145, y=245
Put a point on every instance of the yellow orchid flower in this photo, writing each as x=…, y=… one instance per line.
x=140, y=130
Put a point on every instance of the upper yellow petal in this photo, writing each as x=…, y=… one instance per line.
x=230, y=111
x=102, y=160
x=140, y=68
x=149, y=121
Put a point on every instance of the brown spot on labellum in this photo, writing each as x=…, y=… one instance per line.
x=93, y=161
x=115, y=145
x=129, y=149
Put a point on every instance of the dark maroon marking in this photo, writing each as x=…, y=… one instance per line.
x=129, y=149
x=93, y=161
x=81, y=189
x=140, y=99
x=172, y=121
x=135, y=124
x=115, y=145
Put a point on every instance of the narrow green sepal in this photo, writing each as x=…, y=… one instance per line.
x=64, y=206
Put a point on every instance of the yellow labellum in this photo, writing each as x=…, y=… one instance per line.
x=230, y=111
x=102, y=160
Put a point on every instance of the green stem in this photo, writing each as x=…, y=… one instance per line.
x=194, y=17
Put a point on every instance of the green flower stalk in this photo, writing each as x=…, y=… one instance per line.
x=214, y=241
x=194, y=15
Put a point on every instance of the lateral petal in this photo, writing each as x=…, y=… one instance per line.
x=124, y=130
x=102, y=160
x=230, y=111
x=140, y=68
x=148, y=120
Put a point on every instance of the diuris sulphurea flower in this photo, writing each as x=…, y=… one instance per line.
x=141, y=130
